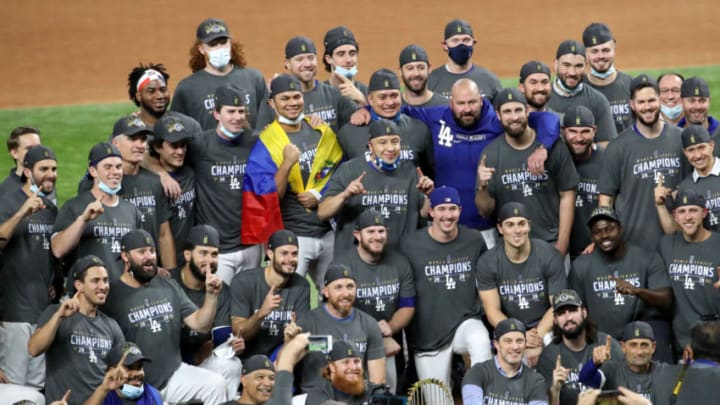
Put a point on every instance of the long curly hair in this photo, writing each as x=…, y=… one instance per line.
x=137, y=73
x=197, y=60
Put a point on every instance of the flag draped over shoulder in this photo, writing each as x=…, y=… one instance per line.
x=260, y=202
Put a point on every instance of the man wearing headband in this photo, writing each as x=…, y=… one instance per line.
x=535, y=85
x=379, y=180
x=265, y=299
x=505, y=376
x=75, y=335
x=448, y=315
x=217, y=60
x=695, y=94
x=148, y=89
x=503, y=175
x=338, y=317
x=344, y=378
x=385, y=100
x=691, y=259
x=569, y=90
x=94, y=221
x=520, y=277
x=670, y=88
x=151, y=311
x=414, y=72
x=385, y=285
x=601, y=74
x=647, y=154
x=341, y=61
x=26, y=221
x=459, y=44
x=21, y=139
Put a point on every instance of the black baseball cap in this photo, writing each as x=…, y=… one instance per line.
x=134, y=354
x=175, y=128
x=458, y=27
x=640, y=81
x=102, y=150
x=602, y=213
x=136, y=239
x=229, y=95
x=283, y=83
x=413, y=53
x=383, y=79
x=637, y=330
x=532, y=67
x=204, y=235
x=693, y=135
x=686, y=196
x=509, y=95
x=83, y=264
x=566, y=298
x=383, y=127
x=36, y=154
x=596, y=34
x=570, y=46
x=694, y=87
x=257, y=362
x=508, y=325
x=211, y=29
x=369, y=217
x=338, y=36
x=511, y=210
x=130, y=125
x=578, y=116
x=336, y=271
x=298, y=46
x=281, y=238
x=343, y=350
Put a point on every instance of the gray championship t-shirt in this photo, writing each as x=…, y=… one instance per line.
x=595, y=102
x=298, y=219
x=358, y=328
x=633, y=166
x=194, y=95
x=591, y=276
x=699, y=386
x=248, y=291
x=101, y=236
x=525, y=288
x=617, y=94
x=617, y=373
x=525, y=387
x=586, y=199
x=394, y=194
x=574, y=362
x=182, y=209
x=219, y=167
x=441, y=81
x=445, y=290
x=76, y=358
x=152, y=317
x=145, y=191
x=692, y=269
x=26, y=263
x=540, y=193
x=381, y=287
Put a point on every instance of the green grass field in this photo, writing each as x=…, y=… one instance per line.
x=71, y=130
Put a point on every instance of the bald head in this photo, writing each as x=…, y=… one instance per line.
x=466, y=102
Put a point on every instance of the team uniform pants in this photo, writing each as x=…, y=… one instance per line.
x=314, y=256
x=15, y=361
x=231, y=263
x=230, y=369
x=471, y=338
x=189, y=383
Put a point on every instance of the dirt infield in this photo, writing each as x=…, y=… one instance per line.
x=80, y=51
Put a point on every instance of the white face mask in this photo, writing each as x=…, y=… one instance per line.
x=219, y=58
x=288, y=121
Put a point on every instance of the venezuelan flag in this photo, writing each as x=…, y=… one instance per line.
x=261, y=214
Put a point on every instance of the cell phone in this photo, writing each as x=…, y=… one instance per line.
x=320, y=343
x=608, y=397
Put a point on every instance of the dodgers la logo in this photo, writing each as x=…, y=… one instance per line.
x=445, y=137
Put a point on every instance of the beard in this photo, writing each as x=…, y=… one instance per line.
x=515, y=133
x=579, y=329
x=652, y=121
x=139, y=273
x=197, y=272
x=152, y=111
x=354, y=388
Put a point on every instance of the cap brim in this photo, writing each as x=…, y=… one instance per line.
x=214, y=37
x=133, y=358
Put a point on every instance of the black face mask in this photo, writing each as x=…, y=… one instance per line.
x=140, y=274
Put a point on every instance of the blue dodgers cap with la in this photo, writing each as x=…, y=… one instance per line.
x=508, y=325
x=444, y=195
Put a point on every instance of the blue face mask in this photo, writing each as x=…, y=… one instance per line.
x=34, y=188
x=672, y=112
x=229, y=134
x=132, y=392
x=461, y=53
x=385, y=166
x=603, y=75
x=348, y=73
x=107, y=190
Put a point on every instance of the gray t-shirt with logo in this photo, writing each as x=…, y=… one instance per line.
x=617, y=94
